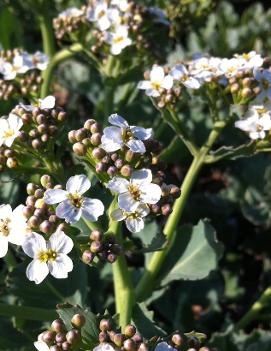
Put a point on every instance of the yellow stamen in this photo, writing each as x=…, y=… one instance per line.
x=49, y=255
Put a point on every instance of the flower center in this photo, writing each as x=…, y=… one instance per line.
x=134, y=191
x=101, y=14
x=9, y=133
x=184, y=77
x=246, y=56
x=49, y=255
x=261, y=111
x=76, y=199
x=259, y=128
x=118, y=40
x=126, y=135
x=156, y=85
x=265, y=84
x=4, y=226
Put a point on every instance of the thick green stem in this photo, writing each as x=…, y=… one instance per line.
x=123, y=286
x=255, y=309
x=25, y=312
x=62, y=55
x=47, y=34
x=148, y=280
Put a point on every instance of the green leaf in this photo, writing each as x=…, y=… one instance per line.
x=143, y=320
x=90, y=331
x=200, y=255
x=156, y=244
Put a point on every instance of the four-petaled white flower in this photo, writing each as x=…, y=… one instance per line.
x=136, y=191
x=40, y=60
x=205, y=68
x=264, y=79
x=164, y=346
x=250, y=60
x=118, y=40
x=180, y=73
x=71, y=12
x=48, y=256
x=230, y=67
x=13, y=227
x=157, y=83
x=72, y=204
x=133, y=220
x=102, y=347
x=102, y=15
x=9, y=129
x=21, y=63
x=46, y=103
x=114, y=138
x=257, y=123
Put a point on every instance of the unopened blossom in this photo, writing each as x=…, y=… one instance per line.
x=40, y=60
x=138, y=190
x=71, y=12
x=180, y=73
x=162, y=346
x=46, y=103
x=13, y=227
x=250, y=60
x=41, y=346
x=102, y=347
x=134, y=220
x=9, y=129
x=48, y=256
x=20, y=64
x=102, y=15
x=257, y=123
x=118, y=40
x=158, y=82
x=72, y=204
x=114, y=138
x=263, y=76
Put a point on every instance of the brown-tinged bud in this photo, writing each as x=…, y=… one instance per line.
x=71, y=136
x=119, y=339
x=111, y=171
x=234, y=88
x=129, y=156
x=31, y=188
x=36, y=144
x=257, y=90
x=87, y=142
x=105, y=325
x=111, y=258
x=28, y=211
x=79, y=149
x=119, y=163
x=246, y=82
x=53, y=219
x=52, y=130
x=129, y=345
x=114, y=157
x=204, y=348
x=96, y=235
x=96, y=128
x=42, y=128
x=26, y=117
x=166, y=209
x=45, y=137
x=175, y=191
x=98, y=153
x=89, y=123
x=9, y=153
x=88, y=257
x=33, y=221
x=96, y=139
x=60, y=338
x=39, y=193
x=46, y=227
x=45, y=180
x=143, y=347
x=137, y=338
x=246, y=93
x=78, y=320
x=73, y=336
x=177, y=340
x=30, y=200
x=96, y=246
x=58, y=325
x=12, y=162
x=103, y=337
x=62, y=116
x=126, y=171
x=101, y=167
x=22, y=136
x=66, y=346
x=41, y=118
x=48, y=336
x=129, y=330
x=80, y=134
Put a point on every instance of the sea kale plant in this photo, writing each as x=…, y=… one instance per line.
x=121, y=151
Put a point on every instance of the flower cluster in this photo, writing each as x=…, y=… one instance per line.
x=29, y=128
x=19, y=73
x=115, y=25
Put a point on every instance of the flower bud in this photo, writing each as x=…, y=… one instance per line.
x=48, y=336
x=78, y=320
x=62, y=116
x=87, y=257
x=193, y=342
x=89, y=123
x=33, y=221
x=55, y=348
x=119, y=163
x=95, y=128
x=234, y=88
x=28, y=211
x=41, y=118
x=166, y=209
x=45, y=180
x=96, y=235
x=98, y=153
x=79, y=149
x=111, y=258
x=36, y=144
x=71, y=136
x=111, y=171
x=118, y=339
x=66, y=346
x=101, y=167
x=60, y=338
x=31, y=188
x=96, y=139
x=12, y=162
x=96, y=246
x=129, y=156
x=246, y=93
x=105, y=325
x=80, y=134
x=8, y=153
x=45, y=138
x=177, y=340
x=246, y=82
x=103, y=337
x=129, y=330
x=22, y=136
x=137, y=338
x=143, y=347
x=58, y=325
x=114, y=157
x=129, y=345
x=73, y=336
x=39, y=193
x=126, y=171
x=46, y=227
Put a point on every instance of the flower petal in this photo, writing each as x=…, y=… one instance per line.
x=5, y=211
x=137, y=146
x=37, y=271
x=54, y=196
x=3, y=246
x=15, y=122
x=92, y=209
x=78, y=183
x=144, y=85
x=127, y=202
x=141, y=133
x=157, y=74
x=118, y=185
x=117, y=215
x=143, y=176
x=150, y=193
x=33, y=244
x=167, y=82
x=70, y=213
x=60, y=242
x=61, y=266
x=117, y=120
x=134, y=225
x=48, y=102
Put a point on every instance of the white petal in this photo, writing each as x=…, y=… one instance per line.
x=152, y=92
x=15, y=122
x=167, y=82
x=134, y=225
x=3, y=245
x=78, y=183
x=114, y=134
x=41, y=346
x=92, y=209
x=178, y=71
x=144, y=176
x=127, y=203
x=61, y=266
x=103, y=23
x=109, y=145
x=70, y=213
x=48, y=102
x=117, y=215
x=137, y=146
x=54, y=196
x=151, y=193
x=117, y=120
x=157, y=74
x=141, y=133
x=60, y=242
x=144, y=85
x=33, y=244
x=37, y=271
x=191, y=83
x=5, y=211
x=118, y=185
x=143, y=210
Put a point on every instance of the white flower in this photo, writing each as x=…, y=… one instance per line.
x=230, y=67
x=40, y=60
x=257, y=123
x=102, y=347
x=41, y=346
x=9, y=129
x=21, y=63
x=138, y=190
x=180, y=73
x=13, y=227
x=46, y=103
x=162, y=346
x=71, y=12
x=133, y=220
x=72, y=204
x=48, y=256
x=251, y=59
x=102, y=15
x=264, y=79
x=205, y=68
x=157, y=83
x=118, y=40
x=114, y=138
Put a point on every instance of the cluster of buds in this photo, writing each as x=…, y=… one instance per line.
x=7, y=158
x=170, y=192
x=58, y=338
x=68, y=22
x=41, y=217
x=102, y=247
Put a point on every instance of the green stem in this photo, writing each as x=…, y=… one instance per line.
x=60, y=56
x=148, y=280
x=47, y=33
x=25, y=312
x=255, y=309
x=123, y=286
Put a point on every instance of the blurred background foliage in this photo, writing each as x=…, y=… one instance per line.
x=234, y=195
